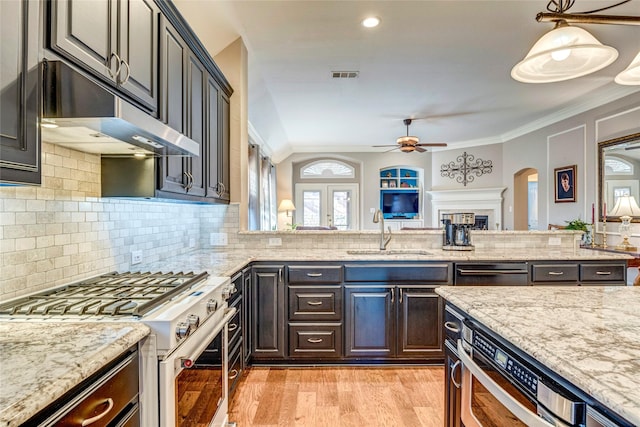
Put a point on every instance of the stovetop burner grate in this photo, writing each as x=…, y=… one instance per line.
x=111, y=294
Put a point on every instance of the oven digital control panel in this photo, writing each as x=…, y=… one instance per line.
x=507, y=363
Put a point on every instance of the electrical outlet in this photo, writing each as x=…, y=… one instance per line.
x=275, y=241
x=218, y=239
x=136, y=257
x=554, y=241
x=192, y=242
x=372, y=210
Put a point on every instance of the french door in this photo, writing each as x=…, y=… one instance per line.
x=327, y=205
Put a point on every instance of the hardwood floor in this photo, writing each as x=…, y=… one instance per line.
x=340, y=397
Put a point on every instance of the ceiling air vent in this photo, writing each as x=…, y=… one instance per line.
x=344, y=74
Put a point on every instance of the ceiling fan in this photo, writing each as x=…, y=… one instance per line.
x=408, y=144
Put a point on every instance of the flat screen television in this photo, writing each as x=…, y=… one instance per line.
x=400, y=204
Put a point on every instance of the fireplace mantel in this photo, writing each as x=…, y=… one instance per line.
x=481, y=201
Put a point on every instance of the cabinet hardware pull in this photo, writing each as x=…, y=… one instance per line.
x=126, y=78
x=453, y=373
x=108, y=65
x=603, y=273
x=400, y=300
x=314, y=340
x=98, y=417
x=392, y=295
x=464, y=272
x=314, y=274
x=279, y=275
x=452, y=326
x=556, y=273
x=314, y=302
x=233, y=374
x=232, y=327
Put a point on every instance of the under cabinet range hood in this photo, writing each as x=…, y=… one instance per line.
x=80, y=114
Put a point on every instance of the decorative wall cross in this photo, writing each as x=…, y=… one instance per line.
x=465, y=169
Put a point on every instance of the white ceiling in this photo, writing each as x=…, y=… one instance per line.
x=445, y=62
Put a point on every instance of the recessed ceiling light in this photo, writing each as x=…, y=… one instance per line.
x=371, y=22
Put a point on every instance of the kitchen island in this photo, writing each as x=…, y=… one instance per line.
x=588, y=336
x=41, y=361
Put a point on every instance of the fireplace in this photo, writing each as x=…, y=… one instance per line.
x=482, y=202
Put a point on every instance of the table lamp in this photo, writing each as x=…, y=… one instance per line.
x=287, y=206
x=625, y=208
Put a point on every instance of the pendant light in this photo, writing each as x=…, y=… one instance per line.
x=631, y=75
x=568, y=52
x=563, y=53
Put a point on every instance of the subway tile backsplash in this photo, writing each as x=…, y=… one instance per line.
x=64, y=231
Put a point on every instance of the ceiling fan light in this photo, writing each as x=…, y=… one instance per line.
x=408, y=140
x=407, y=148
x=631, y=75
x=563, y=53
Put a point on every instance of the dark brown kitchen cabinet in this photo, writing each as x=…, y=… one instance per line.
x=452, y=391
x=196, y=76
x=267, y=307
x=369, y=326
x=419, y=310
x=393, y=312
x=19, y=92
x=248, y=315
x=115, y=40
x=218, y=116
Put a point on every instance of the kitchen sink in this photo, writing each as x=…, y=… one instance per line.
x=388, y=252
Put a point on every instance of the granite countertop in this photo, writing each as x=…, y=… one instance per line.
x=227, y=262
x=40, y=361
x=588, y=335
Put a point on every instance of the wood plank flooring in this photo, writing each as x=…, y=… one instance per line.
x=340, y=397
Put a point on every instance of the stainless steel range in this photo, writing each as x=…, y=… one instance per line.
x=187, y=314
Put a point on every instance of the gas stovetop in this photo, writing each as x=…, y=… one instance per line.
x=111, y=294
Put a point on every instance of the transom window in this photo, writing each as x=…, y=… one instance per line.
x=617, y=166
x=327, y=169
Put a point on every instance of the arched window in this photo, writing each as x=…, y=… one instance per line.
x=329, y=169
x=617, y=166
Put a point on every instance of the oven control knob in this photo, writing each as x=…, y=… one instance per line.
x=212, y=305
x=183, y=329
x=226, y=293
x=193, y=320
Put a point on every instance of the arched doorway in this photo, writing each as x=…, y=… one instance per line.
x=525, y=199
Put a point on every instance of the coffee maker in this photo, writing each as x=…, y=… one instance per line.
x=457, y=231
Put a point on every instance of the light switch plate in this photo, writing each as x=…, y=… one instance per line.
x=275, y=241
x=136, y=257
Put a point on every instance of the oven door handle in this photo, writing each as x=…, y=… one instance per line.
x=197, y=351
x=531, y=419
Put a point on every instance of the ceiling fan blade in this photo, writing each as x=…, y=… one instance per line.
x=389, y=145
x=432, y=144
x=396, y=148
x=420, y=149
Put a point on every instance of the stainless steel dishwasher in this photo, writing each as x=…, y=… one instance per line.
x=491, y=273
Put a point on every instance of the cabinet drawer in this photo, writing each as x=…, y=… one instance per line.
x=235, y=367
x=235, y=327
x=423, y=273
x=315, y=340
x=119, y=388
x=317, y=303
x=554, y=273
x=594, y=272
x=313, y=274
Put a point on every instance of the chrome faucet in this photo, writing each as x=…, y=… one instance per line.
x=384, y=241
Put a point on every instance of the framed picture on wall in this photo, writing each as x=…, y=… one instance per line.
x=565, y=184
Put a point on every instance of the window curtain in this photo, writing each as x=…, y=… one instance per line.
x=267, y=194
x=254, y=187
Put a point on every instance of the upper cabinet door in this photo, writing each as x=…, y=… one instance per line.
x=19, y=92
x=138, y=50
x=116, y=40
x=84, y=32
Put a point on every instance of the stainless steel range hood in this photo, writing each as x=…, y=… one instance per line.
x=80, y=114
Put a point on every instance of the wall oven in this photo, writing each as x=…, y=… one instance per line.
x=499, y=387
x=193, y=379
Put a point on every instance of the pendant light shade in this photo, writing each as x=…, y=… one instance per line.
x=631, y=75
x=563, y=53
